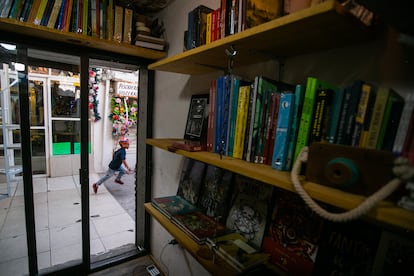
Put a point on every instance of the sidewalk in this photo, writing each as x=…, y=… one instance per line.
x=58, y=223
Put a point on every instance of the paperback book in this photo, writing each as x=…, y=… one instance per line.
x=191, y=180
x=173, y=205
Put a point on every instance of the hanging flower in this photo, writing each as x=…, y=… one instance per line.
x=94, y=79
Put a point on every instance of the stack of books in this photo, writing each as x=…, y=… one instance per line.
x=147, y=41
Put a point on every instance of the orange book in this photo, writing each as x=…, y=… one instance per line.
x=68, y=15
x=33, y=11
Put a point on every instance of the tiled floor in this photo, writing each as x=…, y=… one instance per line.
x=58, y=225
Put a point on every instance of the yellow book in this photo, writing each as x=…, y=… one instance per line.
x=118, y=23
x=110, y=20
x=40, y=12
x=208, y=27
x=54, y=15
x=241, y=121
x=127, y=36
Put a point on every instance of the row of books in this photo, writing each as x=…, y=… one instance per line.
x=249, y=222
x=207, y=24
x=98, y=18
x=269, y=122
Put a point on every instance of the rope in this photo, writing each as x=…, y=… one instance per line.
x=358, y=211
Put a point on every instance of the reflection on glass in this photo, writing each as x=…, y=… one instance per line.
x=66, y=137
x=36, y=105
x=65, y=99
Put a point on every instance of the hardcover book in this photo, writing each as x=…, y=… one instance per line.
x=249, y=208
x=347, y=248
x=199, y=226
x=173, y=205
x=191, y=180
x=259, y=12
x=196, y=126
x=292, y=235
x=236, y=250
x=215, y=192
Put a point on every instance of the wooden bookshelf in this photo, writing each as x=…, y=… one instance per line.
x=321, y=27
x=218, y=267
x=26, y=30
x=385, y=212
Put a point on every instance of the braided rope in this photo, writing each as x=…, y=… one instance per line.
x=358, y=211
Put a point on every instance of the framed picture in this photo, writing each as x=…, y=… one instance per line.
x=196, y=127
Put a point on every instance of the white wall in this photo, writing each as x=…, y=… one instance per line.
x=376, y=62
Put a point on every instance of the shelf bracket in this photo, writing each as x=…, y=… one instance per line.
x=230, y=53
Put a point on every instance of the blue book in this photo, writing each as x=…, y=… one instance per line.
x=299, y=97
x=283, y=129
x=335, y=115
x=234, y=97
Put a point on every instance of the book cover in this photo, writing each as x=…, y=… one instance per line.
x=196, y=125
x=222, y=112
x=215, y=192
x=199, y=226
x=299, y=97
x=173, y=205
x=259, y=12
x=40, y=12
x=208, y=27
x=403, y=125
x=392, y=115
x=249, y=208
x=347, y=248
x=191, y=180
x=272, y=127
x=312, y=84
x=241, y=121
x=283, y=129
x=236, y=250
x=395, y=254
x=234, y=96
x=249, y=148
x=292, y=235
x=377, y=116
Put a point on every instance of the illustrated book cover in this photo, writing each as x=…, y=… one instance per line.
x=196, y=126
x=237, y=251
x=199, y=226
x=215, y=192
x=173, y=205
x=191, y=180
x=292, y=235
x=249, y=208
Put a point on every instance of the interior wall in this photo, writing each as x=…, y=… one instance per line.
x=382, y=62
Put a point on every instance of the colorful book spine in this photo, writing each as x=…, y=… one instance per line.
x=211, y=116
x=25, y=11
x=219, y=114
x=241, y=121
x=335, y=115
x=54, y=15
x=299, y=97
x=352, y=109
x=403, y=125
x=365, y=101
x=109, y=22
x=40, y=12
x=5, y=9
x=377, y=116
x=252, y=112
x=272, y=126
x=322, y=105
x=234, y=96
x=15, y=9
x=33, y=11
x=47, y=12
x=284, y=127
x=127, y=35
x=68, y=14
x=208, y=27
x=59, y=23
x=263, y=138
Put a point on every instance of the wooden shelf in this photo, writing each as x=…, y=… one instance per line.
x=42, y=32
x=219, y=267
x=324, y=26
x=385, y=212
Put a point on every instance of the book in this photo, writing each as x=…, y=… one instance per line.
x=312, y=84
x=395, y=254
x=197, y=26
x=25, y=11
x=249, y=147
x=407, y=150
x=152, y=39
x=47, y=12
x=249, y=208
x=14, y=10
x=5, y=9
x=234, y=95
x=40, y=12
x=222, y=113
x=127, y=29
x=320, y=120
x=389, y=125
x=259, y=12
x=150, y=45
x=211, y=116
x=54, y=14
x=292, y=235
x=199, y=226
x=377, y=116
x=170, y=206
x=191, y=180
x=236, y=250
x=283, y=131
x=208, y=27
x=299, y=97
x=347, y=118
x=367, y=96
x=86, y=18
x=196, y=124
x=109, y=19
x=347, y=248
x=271, y=132
x=403, y=125
x=68, y=15
x=33, y=11
x=241, y=121
x=118, y=20
x=187, y=145
x=215, y=192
